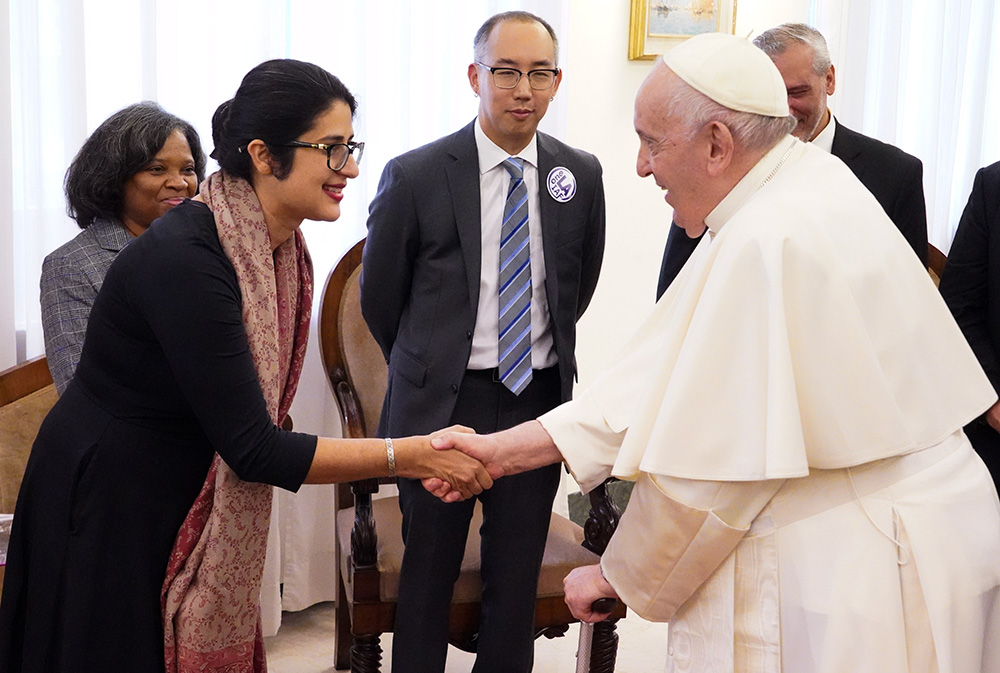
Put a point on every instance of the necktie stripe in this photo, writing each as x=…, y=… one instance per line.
x=518, y=242
x=512, y=259
x=524, y=311
x=514, y=230
x=514, y=293
x=523, y=381
x=519, y=361
x=517, y=206
x=513, y=299
x=510, y=349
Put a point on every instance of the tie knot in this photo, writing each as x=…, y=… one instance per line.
x=514, y=166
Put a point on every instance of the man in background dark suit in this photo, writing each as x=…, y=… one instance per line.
x=431, y=294
x=894, y=177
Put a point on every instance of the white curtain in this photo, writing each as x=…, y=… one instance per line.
x=921, y=75
x=74, y=62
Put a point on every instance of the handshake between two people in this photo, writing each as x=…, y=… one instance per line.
x=486, y=457
x=479, y=459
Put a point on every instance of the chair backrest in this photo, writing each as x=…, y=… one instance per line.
x=935, y=263
x=355, y=366
x=26, y=396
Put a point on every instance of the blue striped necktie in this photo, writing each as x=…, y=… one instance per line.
x=514, y=326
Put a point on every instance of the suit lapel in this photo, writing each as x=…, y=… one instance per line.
x=549, y=216
x=847, y=149
x=462, y=174
x=111, y=236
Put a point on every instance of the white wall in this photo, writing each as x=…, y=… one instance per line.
x=599, y=86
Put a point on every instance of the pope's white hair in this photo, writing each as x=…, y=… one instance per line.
x=751, y=131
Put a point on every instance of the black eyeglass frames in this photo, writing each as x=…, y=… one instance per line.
x=337, y=154
x=507, y=78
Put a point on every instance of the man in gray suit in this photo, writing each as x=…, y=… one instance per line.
x=894, y=177
x=483, y=250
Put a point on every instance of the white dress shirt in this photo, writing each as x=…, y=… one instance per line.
x=824, y=140
x=493, y=184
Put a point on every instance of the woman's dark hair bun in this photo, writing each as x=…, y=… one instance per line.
x=277, y=102
x=220, y=125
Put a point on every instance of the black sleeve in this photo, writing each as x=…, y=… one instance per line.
x=909, y=213
x=965, y=281
x=593, y=250
x=675, y=254
x=188, y=294
x=389, y=254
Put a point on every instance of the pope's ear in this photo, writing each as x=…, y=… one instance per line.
x=260, y=157
x=721, y=147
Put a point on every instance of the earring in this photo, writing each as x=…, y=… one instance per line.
x=551, y=98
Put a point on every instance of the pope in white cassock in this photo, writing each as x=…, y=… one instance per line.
x=791, y=411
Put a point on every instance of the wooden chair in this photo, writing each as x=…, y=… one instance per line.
x=935, y=263
x=369, y=542
x=26, y=396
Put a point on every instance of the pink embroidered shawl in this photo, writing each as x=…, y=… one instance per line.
x=211, y=594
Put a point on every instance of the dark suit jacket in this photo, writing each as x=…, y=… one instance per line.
x=421, y=270
x=970, y=282
x=894, y=178
x=970, y=285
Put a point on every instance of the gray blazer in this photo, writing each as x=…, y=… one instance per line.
x=421, y=270
x=72, y=275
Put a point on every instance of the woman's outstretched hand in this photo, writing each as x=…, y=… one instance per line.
x=342, y=460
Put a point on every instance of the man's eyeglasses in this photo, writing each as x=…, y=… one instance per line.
x=337, y=154
x=507, y=78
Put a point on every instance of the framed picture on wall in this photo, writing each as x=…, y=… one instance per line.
x=657, y=25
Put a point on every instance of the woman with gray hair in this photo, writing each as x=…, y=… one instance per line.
x=138, y=164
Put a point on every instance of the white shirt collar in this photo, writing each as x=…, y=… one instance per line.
x=492, y=155
x=824, y=140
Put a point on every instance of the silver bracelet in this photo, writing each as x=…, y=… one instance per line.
x=390, y=456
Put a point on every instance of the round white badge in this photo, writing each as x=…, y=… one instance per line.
x=561, y=183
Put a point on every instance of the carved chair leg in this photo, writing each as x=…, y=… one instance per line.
x=366, y=654
x=603, y=519
x=604, y=647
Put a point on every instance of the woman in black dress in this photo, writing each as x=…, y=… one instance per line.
x=140, y=528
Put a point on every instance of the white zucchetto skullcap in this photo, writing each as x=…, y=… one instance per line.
x=732, y=71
